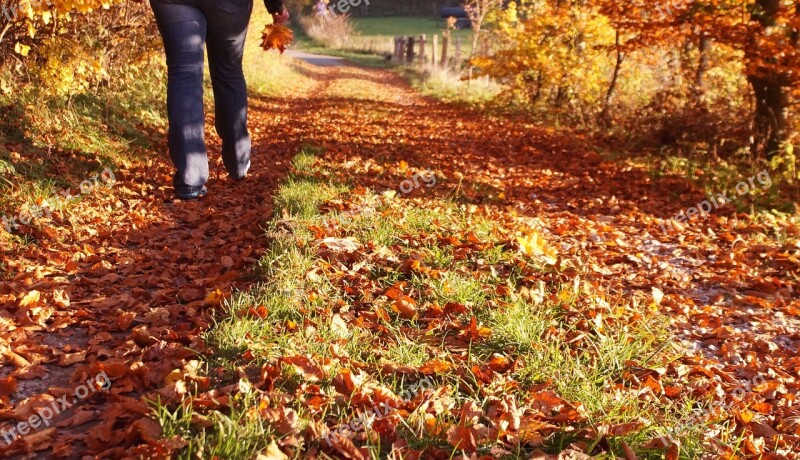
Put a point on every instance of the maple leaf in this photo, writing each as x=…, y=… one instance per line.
x=475, y=332
x=276, y=37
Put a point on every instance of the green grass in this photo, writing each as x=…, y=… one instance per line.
x=374, y=39
x=305, y=311
x=68, y=139
x=362, y=58
x=270, y=73
x=389, y=27
x=237, y=435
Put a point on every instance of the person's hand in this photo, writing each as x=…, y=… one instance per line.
x=281, y=16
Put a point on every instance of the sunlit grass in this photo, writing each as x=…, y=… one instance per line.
x=299, y=310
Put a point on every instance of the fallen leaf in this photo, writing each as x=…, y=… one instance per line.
x=30, y=299
x=272, y=452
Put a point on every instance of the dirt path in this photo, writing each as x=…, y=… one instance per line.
x=124, y=285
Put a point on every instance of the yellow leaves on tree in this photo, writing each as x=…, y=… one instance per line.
x=276, y=37
x=537, y=52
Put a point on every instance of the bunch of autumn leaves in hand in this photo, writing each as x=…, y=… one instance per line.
x=277, y=36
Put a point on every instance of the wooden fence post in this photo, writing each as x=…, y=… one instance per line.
x=445, y=45
x=422, y=41
x=401, y=46
x=410, y=50
x=435, y=51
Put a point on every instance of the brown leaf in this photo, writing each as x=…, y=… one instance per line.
x=148, y=429
x=227, y=262
x=305, y=367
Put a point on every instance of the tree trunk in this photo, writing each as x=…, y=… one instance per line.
x=612, y=86
x=770, y=119
x=770, y=91
x=702, y=67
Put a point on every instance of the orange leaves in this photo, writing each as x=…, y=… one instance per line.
x=465, y=433
x=13, y=357
x=32, y=405
x=410, y=305
x=346, y=381
x=474, y=332
x=214, y=298
x=405, y=306
x=395, y=292
x=124, y=320
x=61, y=298
x=258, y=312
x=276, y=37
x=435, y=366
x=8, y=385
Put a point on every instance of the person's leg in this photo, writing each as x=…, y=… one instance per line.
x=183, y=29
x=227, y=30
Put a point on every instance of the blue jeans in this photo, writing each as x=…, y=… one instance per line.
x=187, y=26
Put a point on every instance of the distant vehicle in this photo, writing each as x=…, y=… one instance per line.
x=458, y=12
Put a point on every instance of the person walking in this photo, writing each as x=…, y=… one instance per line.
x=322, y=8
x=186, y=27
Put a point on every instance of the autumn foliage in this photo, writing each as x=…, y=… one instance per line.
x=606, y=61
x=527, y=303
x=65, y=48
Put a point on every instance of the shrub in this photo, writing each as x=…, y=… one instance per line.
x=332, y=32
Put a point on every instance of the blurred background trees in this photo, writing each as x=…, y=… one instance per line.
x=720, y=72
